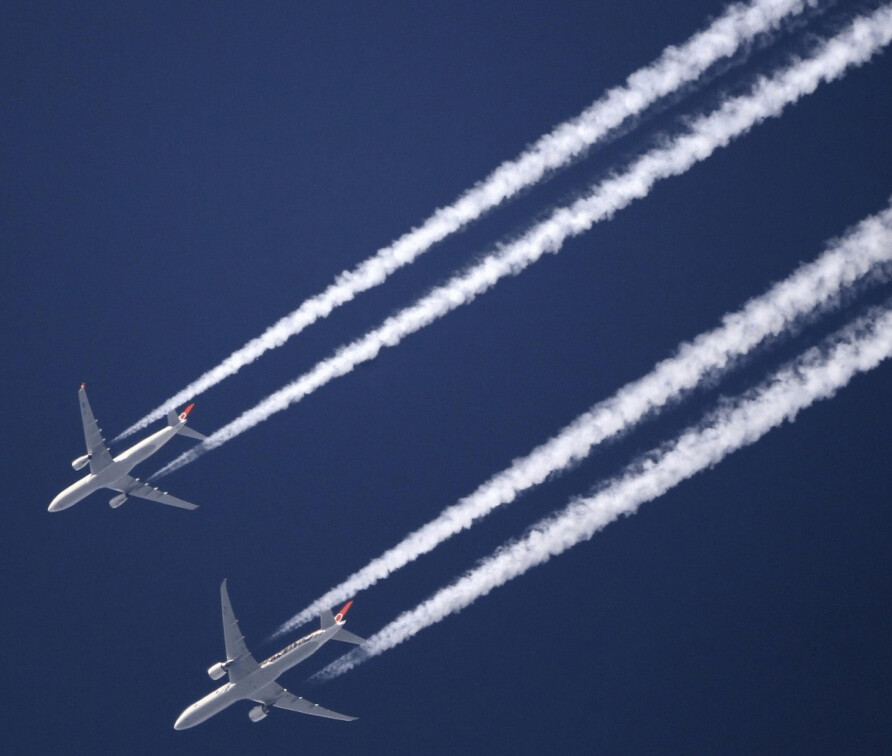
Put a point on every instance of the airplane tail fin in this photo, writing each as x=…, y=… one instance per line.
x=173, y=420
x=327, y=619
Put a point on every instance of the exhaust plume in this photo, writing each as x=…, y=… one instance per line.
x=856, y=44
x=812, y=287
x=818, y=374
x=675, y=67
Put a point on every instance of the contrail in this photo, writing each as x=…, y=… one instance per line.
x=864, y=37
x=818, y=374
x=812, y=287
x=675, y=67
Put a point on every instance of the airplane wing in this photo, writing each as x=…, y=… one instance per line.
x=135, y=487
x=100, y=458
x=275, y=695
x=240, y=663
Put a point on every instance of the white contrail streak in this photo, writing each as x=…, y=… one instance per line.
x=816, y=375
x=865, y=36
x=810, y=288
x=675, y=67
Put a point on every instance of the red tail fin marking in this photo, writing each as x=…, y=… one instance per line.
x=339, y=617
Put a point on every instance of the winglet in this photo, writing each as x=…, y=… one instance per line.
x=339, y=617
x=185, y=413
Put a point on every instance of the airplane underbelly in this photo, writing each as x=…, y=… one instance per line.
x=132, y=458
x=212, y=703
x=74, y=493
x=289, y=660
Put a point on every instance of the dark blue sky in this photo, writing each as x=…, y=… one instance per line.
x=177, y=177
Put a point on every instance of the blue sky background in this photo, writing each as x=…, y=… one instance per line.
x=177, y=177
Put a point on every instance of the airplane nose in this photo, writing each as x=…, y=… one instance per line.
x=68, y=498
x=187, y=719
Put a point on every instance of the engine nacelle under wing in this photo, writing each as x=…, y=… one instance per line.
x=258, y=713
x=81, y=462
x=117, y=501
x=217, y=671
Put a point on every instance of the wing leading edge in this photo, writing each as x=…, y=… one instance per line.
x=98, y=452
x=239, y=661
x=275, y=695
x=135, y=487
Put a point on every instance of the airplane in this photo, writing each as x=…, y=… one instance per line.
x=257, y=682
x=114, y=473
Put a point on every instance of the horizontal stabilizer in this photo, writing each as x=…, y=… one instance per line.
x=185, y=430
x=174, y=420
x=345, y=636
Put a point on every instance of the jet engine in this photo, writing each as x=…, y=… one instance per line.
x=217, y=671
x=258, y=713
x=81, y=462
x=117, y=501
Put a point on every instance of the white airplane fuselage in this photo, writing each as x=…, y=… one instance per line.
x=251, y=687
x=112, y=475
